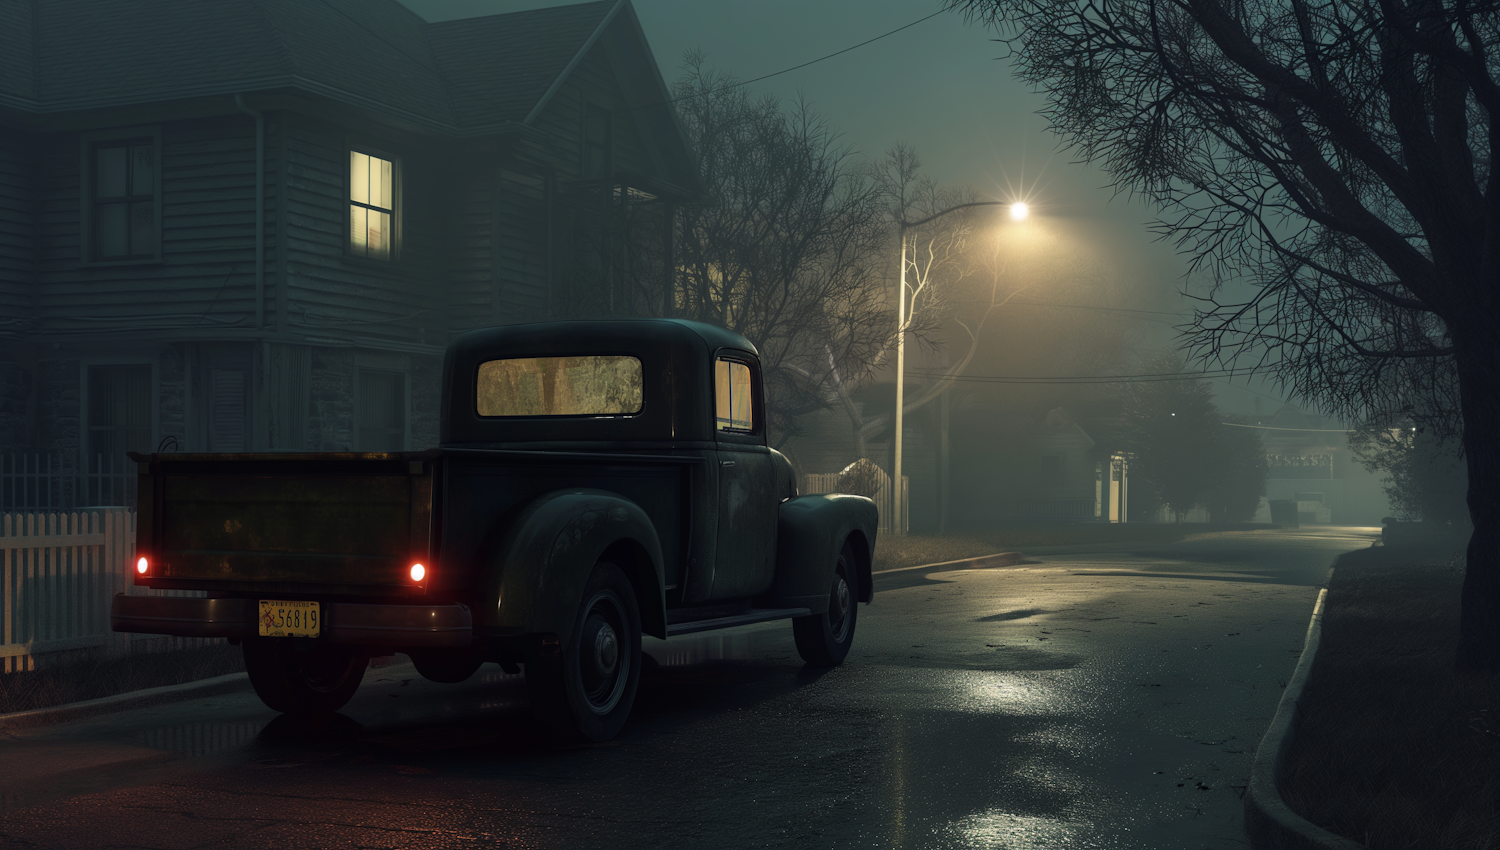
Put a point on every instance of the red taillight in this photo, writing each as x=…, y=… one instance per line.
x=141, y=566
x=418, y=572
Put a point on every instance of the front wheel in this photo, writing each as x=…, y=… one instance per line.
x=586, y=692
x=303, y=680
x=823, y=640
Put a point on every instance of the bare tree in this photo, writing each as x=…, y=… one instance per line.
x=1335, y=157
x=955, y=276
x=784, y=247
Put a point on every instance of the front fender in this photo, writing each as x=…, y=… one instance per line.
x=810, y=532
x=543, y=555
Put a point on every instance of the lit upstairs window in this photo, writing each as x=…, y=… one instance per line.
x=372, y=206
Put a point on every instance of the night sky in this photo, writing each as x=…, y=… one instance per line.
x=939, y=86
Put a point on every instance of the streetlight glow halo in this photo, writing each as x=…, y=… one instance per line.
x=1019, y=211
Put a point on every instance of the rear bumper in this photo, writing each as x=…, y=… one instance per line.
x=343, y=622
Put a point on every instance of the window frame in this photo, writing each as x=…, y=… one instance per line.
x=87, y=177
x=354, y=146
x=756, y=434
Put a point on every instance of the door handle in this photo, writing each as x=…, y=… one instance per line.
x=726, y=463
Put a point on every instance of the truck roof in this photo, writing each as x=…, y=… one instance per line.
x=676, y=357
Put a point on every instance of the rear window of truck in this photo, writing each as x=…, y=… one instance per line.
x=590, y=385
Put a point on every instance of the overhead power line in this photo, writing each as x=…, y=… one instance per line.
x=788, y=70
x=1271, y=428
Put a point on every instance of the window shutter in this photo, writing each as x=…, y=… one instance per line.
x=226, y=421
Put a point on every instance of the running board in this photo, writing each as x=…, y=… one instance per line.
x=757, y=616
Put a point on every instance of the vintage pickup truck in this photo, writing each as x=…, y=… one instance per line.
x=594, y=481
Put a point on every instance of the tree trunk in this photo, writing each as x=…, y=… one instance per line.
x=1479, y=391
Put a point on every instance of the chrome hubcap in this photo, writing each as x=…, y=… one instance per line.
x=603, y=662
x=838, y=608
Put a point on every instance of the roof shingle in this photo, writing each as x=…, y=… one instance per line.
x=460, y=75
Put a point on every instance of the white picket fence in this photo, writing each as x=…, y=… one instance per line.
x=58, y=573
x=828, y=482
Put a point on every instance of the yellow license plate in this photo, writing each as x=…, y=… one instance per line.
x=280, y=618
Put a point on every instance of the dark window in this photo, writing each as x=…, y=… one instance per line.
x=123, y=200
x=372, y=206
x=382, y=411
x=596, y=139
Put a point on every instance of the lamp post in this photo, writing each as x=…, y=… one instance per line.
x=1018, y=211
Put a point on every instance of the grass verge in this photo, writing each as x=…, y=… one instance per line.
x=103, y=676
x=1394, y=748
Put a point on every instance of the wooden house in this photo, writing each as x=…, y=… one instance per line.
x=254, y=225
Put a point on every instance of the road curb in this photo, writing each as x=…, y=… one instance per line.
x=1269, y=821
x=123, y=702
x=1000, y=559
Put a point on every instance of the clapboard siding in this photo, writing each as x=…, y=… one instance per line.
x=471, y=271
x=330, y=291
x=521, y=245
x=206, y=276
x=17, y=234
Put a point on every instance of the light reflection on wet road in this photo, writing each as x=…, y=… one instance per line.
x=1090, y=700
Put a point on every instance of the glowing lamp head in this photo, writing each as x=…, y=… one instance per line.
x=418, y=572
x=141, y=566
x=1018, y=211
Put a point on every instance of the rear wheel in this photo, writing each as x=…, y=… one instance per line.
x=586, y=691
x=823, y=640
x=303, y=680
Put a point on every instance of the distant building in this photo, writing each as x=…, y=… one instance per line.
x=1309, y=462
x=254, y=226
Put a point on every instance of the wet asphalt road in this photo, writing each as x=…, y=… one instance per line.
x=1107, y=700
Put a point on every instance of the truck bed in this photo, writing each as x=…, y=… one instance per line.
x=332, y=523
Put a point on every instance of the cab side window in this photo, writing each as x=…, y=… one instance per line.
x=735, y=397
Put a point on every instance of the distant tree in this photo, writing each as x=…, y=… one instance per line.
x=1236, y=495
x=1424, y=473
x=1336, y=155
x=946, y=280
x=785, y=247
x=1184, y=456
x=1171, y=426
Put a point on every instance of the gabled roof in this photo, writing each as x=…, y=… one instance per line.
x=466, y=77
x=502, y=67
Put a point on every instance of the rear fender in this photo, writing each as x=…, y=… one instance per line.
x=543, y=555
x=810, y=532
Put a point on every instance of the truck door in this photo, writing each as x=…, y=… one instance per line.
x=746, y=557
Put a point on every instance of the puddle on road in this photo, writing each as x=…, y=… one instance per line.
x=996, y=829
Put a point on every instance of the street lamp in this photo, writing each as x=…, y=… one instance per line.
x=1018, y=212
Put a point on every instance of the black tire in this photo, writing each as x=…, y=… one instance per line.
x=823, y=640
x=584, y=693
x=317, y=680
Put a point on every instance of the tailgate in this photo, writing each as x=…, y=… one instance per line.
x=345, y=522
